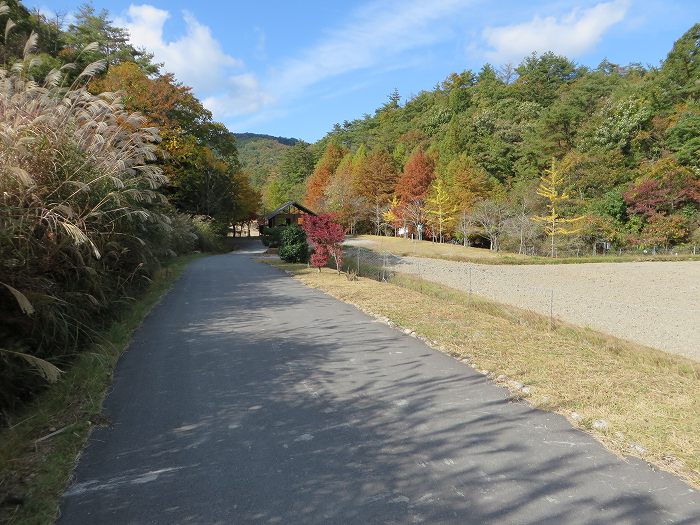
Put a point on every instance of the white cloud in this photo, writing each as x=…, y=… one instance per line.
x=573, y=34
x=196, y=58
x=373, y=34
x=243, y=96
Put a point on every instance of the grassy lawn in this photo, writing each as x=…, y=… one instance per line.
x=454, y=252
x=650, y=400
x=35, y=468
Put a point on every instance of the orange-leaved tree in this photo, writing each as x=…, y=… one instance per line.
x=414, y=181
x=319, y=180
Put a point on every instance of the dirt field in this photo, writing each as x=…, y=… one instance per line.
x=653, y=303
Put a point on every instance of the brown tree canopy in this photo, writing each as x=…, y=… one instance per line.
x=414, y=181
x=378, y=176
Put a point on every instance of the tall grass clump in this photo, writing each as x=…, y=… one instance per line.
x=82, y=223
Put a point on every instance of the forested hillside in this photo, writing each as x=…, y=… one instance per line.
x=260, y=155
x=245, y=138
x=108, y=167
x=618, y=147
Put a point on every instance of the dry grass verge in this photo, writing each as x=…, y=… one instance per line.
x=455, y=252
x=648, y=400
x=39, y=448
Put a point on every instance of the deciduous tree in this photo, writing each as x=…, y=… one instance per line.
x=325, y=237
x=552, y=188
x=378, y=177
x=321, y=177
x=415, y=179
x=440, y=208
x=492, y=217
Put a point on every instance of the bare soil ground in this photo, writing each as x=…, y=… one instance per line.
x=653, y=303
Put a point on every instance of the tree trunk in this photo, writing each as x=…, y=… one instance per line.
x=553, y=233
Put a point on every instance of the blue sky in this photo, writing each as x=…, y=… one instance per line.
x=296, y=68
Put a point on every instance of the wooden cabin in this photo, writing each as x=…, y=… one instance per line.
x=290, y=212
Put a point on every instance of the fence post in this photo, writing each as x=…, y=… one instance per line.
x=470, y=284
x=384, y=267
x=358, y=260
x=420, y=275
x=551, y=310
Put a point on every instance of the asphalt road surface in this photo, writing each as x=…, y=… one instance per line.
x=246, y=397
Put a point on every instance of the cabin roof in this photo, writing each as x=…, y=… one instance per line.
x=285, y=206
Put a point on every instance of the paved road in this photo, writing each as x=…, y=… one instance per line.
x=248, y=398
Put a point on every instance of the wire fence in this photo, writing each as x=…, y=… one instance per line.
x=671, y=326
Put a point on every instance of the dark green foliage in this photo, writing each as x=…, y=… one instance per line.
x=296, y=164
x=272, y=237
x=612, y=204
x=540, y=77
x=684, y=139
x=113, y=45
x=245, y=138
x=293, y=246
x=680, y=73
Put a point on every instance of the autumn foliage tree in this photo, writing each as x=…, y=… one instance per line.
x=377, y=177
x=326, y=238
x=340, y=199
x=198, y=155
x=319, y=180
x=665, y=187
x=468, y=183
x=414, y=181
x=552, y=188
x=440, y=210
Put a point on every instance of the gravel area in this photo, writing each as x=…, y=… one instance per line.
x=653, y=303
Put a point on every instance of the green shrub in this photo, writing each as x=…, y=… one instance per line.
x=293, y=245
x=272, y=237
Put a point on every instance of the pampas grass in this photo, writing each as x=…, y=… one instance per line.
x=82, y=223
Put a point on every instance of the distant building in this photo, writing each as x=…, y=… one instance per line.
x=290, y=212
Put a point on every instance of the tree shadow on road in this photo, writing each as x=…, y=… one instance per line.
x=289, y=414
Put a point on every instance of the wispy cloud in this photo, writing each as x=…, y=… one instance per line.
x=572, y=35
x=261, y=44
x=373, y=34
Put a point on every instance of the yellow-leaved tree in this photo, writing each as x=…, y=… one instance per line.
x=552, y=188
x=392, y=216
x=441, y=212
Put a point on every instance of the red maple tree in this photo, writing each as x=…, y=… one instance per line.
x=326, y=238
